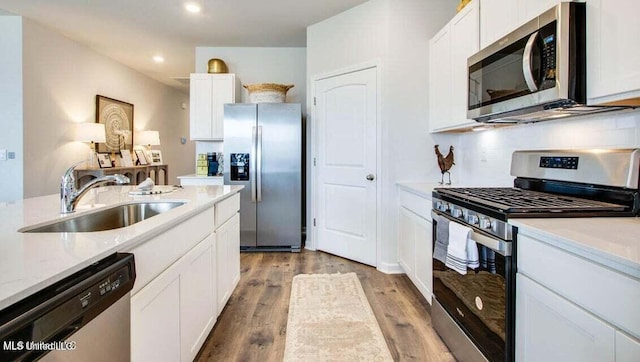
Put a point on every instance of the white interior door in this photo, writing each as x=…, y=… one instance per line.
x=346, y=178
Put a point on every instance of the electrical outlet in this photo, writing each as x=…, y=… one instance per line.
x=3, y=155
x=12, y=155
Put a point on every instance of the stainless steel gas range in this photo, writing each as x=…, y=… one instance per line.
x=474, y=312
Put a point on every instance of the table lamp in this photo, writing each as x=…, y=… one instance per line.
x=148, y=138
x=92, y=133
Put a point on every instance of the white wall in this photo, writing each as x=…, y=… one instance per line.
x=61, y=79
x=484, y=158
x=395, y=34
x=11, y=106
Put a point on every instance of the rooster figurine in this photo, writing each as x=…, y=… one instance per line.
x=445, y=163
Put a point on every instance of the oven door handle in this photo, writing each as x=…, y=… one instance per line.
x=499, y=246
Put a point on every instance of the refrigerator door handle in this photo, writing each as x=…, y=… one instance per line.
x=252, y=162
x=259, y=165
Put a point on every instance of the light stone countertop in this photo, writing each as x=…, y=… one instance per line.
x=423, y=189
x=32, y=261
x=613, y=242
x=193, y=175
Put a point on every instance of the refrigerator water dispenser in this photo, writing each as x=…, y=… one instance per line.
x=239, y=166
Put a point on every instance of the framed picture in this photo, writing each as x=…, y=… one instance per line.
x=142, y=159
x=117, y=117
x=104, y=160
x=155, y=157
x=127, y=161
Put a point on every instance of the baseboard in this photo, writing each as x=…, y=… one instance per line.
x=390, y=268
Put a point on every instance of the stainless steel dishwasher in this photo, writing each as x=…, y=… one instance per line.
x=84, y=317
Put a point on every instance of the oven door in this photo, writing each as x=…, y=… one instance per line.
x=480, y=304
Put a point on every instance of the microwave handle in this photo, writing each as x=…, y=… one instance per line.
x=526, y=63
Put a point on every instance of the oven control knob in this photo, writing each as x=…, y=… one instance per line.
x=472, y=219
x=442, y=206
x=485, y=223
x=455, y=212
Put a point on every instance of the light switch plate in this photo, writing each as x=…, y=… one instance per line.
x=3, y=155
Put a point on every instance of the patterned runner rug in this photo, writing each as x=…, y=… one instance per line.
x=330, y=319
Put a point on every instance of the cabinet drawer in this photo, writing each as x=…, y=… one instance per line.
x=608, y=294
x=417, y=204
x=226, y=209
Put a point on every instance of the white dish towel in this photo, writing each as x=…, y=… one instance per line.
x=462, y=251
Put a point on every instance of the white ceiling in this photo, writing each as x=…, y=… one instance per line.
x=133, y=31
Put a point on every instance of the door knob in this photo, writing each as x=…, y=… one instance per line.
x=370, y=177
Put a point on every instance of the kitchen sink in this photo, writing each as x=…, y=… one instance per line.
x=114, y=217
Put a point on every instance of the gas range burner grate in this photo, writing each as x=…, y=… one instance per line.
x=513, y=200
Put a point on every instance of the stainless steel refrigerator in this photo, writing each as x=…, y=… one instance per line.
x=263, y=152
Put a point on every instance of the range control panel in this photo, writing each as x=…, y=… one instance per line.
x=569, y=163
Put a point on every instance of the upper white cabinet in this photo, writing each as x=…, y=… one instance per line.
x=529, y=9
x=448, y=81
x=208, y=94
x=500, y=17
x=497, y=18
x=613, y=57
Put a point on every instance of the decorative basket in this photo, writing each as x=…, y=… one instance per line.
x=267, y=92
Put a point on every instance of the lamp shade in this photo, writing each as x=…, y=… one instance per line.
x=90, y=132
x=151, y=138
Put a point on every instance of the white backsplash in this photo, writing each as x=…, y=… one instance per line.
x=484, y=158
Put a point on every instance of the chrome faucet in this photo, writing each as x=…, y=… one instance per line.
x=69, y=196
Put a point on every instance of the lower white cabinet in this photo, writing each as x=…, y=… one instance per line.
x=415, y=241
x=228, y=256
x=197, y=298
x=172, y=316
x=155, y=320
x=187, y=275
x=550, y=328
x=569, y=308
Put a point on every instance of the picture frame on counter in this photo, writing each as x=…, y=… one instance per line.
x=104, y=160
x=142, y=158
x=154, y=157
x=127, y=161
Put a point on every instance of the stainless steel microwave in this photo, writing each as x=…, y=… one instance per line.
x=536, y=72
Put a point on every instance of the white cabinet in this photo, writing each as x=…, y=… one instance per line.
x=549, y=328
x=172, y=316
x=500, y=17
x=415, y=241
x=563, y=300
x=197, y=298
x=613, y=71
x=497, y=19
x=228, y=250
x=208, y=94
x=529, y=9
x=155, y=320
x=448, y=80
x=175, y=300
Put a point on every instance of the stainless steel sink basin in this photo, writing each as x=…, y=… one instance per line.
x=114, y=217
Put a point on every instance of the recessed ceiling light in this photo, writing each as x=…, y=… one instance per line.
x=158, y=58
x=192, y=7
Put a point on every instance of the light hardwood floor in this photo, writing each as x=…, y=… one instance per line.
x=253, y=325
